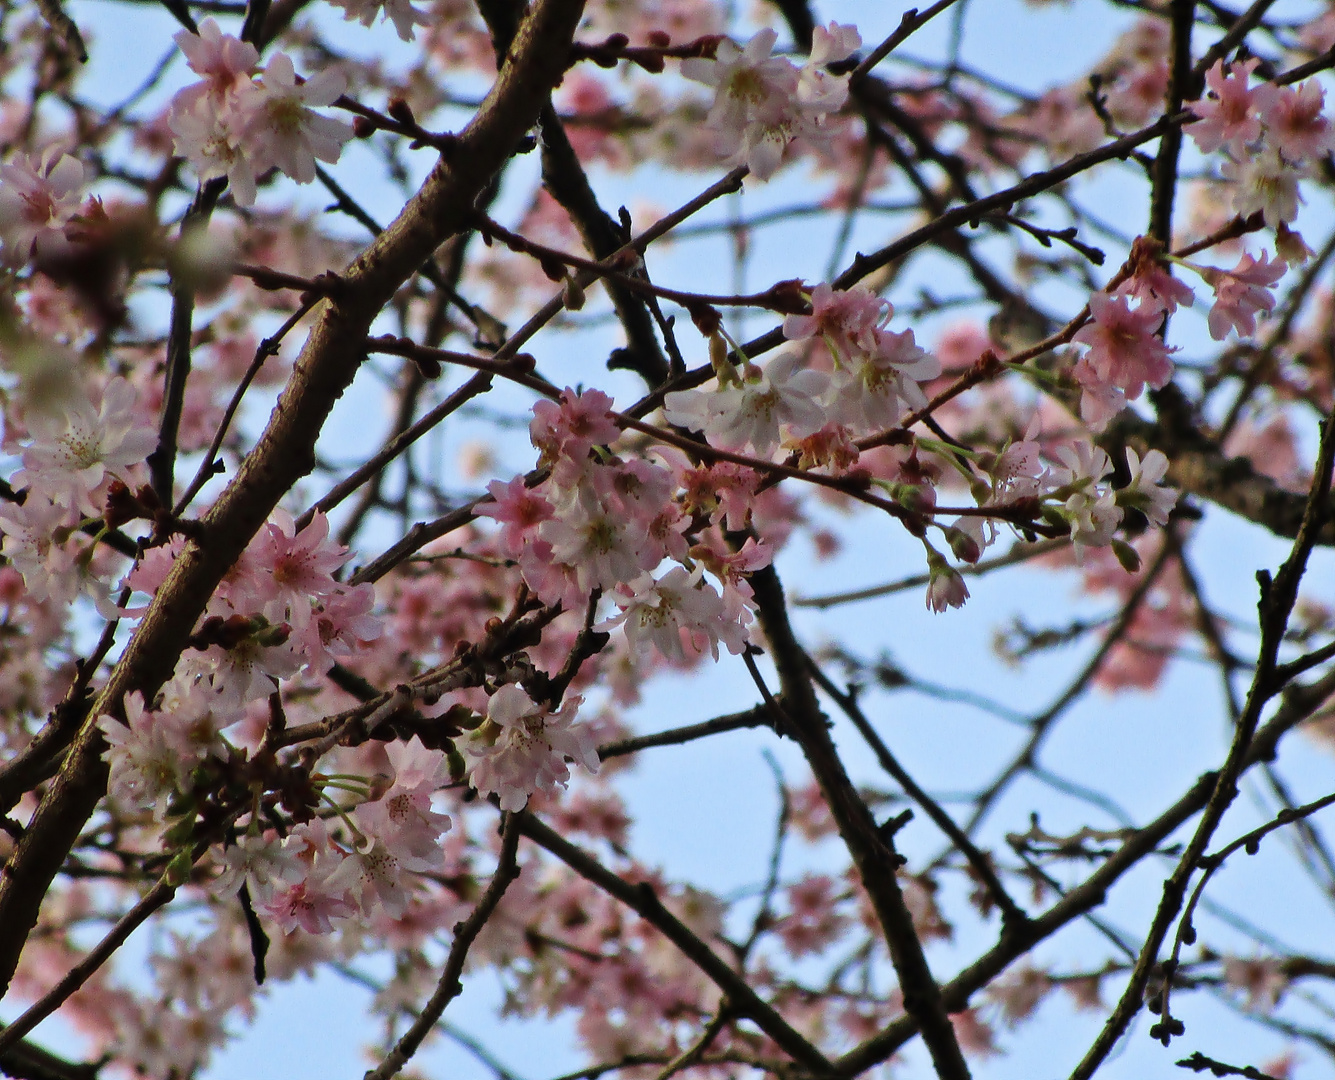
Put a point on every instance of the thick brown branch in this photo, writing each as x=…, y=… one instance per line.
x=285, y=452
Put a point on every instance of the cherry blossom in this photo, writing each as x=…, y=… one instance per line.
x=1144, y=491
x=1089, y=506
x=341, y=626
x=313, y=902
x=38, y=543
x=1267, y=184
x=38, y=197
x=1242, y=293
x=209, y=134
x=875, y=389
x=281, y=125
x=846, y=319
x=565, y=432
x=782, y=394
x=945, y=586
x=284, y=570
x=264, y=863
x=73, y=453
x=679, y=611
x=1229, y=116
x=335, y=720
x=223, y=61
x=1294, y=123
x=1125, y=354
x=523, y=748
x=405, y=17
x=600, y=545
x=762, y=102
x=146, y=765
x=402, y=817
x=520, y=510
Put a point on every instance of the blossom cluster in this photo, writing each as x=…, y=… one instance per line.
x=240, y=121
x=70, y=461
x=600, y=524
x=1271, y=135
x=763, y=102
x=876, y=379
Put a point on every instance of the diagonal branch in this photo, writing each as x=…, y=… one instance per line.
x=873, y=854
x=285, y=452
x=642, y=900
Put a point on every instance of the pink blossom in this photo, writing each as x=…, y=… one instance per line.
x=1137, y=94
x=975, y=1036
x=221, y=59
x=751, y=86
x=264, y=862
x=600, y=545
x=525, y=748
x=208, y=133
x=371, y=878
x=283, y=570
x=250, y=670
x=146, y=766
x=402, y=817
x=1294, y=122
x=1123, y=346
x=312, y=902
x=37, y=544
x=519, y=509
x=1089, y=505
x=405, y=17
x=73, y=453
x=674, y=613
x=1229, y=114
x=281, y=125
x=813, y=922
x=729, y=566
x=831, y=448
x=1241, y=293
x=945, y=585
x=1144, y=492
x=782, y=394
x=341, y=625
x=762, y=102
x=1017, y=471
x=1099, y=401
x=1125, y=353
x=1261, y=980
x=845, y=319
x=875, y=389
x=565, y=431
x=38, y=197
x=724, y=492
x=1020, y=991
x=829, y=45
x=1153, y=285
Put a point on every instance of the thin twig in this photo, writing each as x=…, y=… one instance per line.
x=449, y=987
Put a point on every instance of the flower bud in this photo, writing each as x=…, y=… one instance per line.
x=945, y=587
x=964, y=546
x=1128, y=556
x=718, y=359
x=572, y=293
